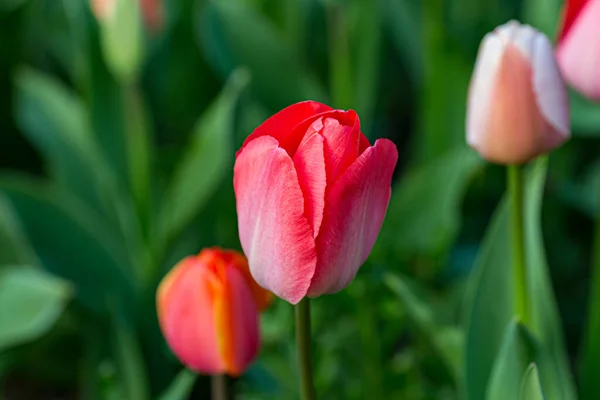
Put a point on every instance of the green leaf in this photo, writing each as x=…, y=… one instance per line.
x=139, y=148
x=368, y=43
x=515, y=371
x=402, y=18
x=512, y=360
x=32, y=300
x=531, y=388
x=489, y=300
x=585, y=115
x=128, y=356
x=14, y=246
x=446, y=340
x=71, y=240
x=543, y=15
x=56, y=122
x=122, y=39
x=233, y=34
x=181, y=387
x=424, y=213
x=7, y=6
x=545, y=324
x=205, y=164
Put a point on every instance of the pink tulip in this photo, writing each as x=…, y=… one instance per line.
x=311, y=194
x=208, y=311
x=578, y=50
x=517, y=107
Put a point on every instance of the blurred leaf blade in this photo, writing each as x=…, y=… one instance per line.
x=402, y=18
x=32, y=301
x=515, y=371
x=181, y=387
x=368, y=62
x=139, y=152
x=543, y=15
x=122, y=44
x=9, y=5
x=14, y=246
x=67, y=235
x=510, y=364
x=446, y=340
x=205, y=163
x=56, y=122
x=129, y=359
x=546, y=324
x=416, y=222
x=234, y=35
x=489, y=299
x=585, y=115
x=531, y=388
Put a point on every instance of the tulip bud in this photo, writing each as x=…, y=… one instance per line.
x=578, y=50
x=152, y=11
x=208, y=309
x=103, y=8
x=311, y=195
x=517, y=106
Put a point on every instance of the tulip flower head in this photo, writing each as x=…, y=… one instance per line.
x=152, y=11
x=311, y=196
x=578, y=49
x=517, y=106
x=208, y=309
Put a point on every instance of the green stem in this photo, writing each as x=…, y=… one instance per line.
x=591, y=344
x=304, y=355
x=219, y=387
x=515, y=189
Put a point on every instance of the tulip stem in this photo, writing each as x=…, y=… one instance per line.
x=591, y=344
x=304, y=354
x=515, y=189
x=219, y=387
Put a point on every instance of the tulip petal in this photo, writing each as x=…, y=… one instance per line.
x=341, y=143
x=281, y=125
x=482, y=87
x=187, y=318
x=579, y=52
x=262, y=298
x=274, y=232
x=239, y=323
x=549, y=88
x=153, y=14
x=571, y=12
x=354, y=211
x=310, y=167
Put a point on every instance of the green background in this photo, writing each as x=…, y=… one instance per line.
x=116, y=154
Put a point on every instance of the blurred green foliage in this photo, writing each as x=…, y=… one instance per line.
x=117, y=147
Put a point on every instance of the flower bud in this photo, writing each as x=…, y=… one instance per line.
x=517, y=106
x=208, y=309
x=578, y=50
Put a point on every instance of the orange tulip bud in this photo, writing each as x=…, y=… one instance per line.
x=208, y=309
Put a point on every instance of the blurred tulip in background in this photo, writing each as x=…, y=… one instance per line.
x=518, y=107
x=208, y=308
x=579, y=48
